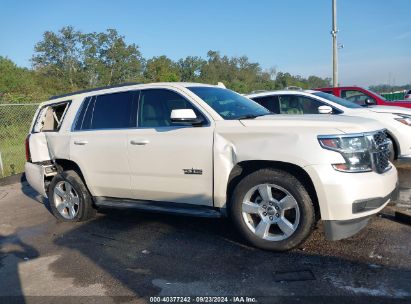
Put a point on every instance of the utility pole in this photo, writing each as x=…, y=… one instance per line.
x=334, y=32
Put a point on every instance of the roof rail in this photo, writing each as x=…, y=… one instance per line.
x=95, y=89
x=294, y=88
x=258, y=91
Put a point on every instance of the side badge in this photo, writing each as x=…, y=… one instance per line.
x=193, y=171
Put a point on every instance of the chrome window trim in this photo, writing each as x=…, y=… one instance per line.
x=207, y=124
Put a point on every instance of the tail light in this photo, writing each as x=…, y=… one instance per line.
x=28, y=155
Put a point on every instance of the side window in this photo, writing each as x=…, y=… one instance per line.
x=271, y=103
x=51, y=117
x=108, y=111
x=298, y=105
x=80, y=116
x=113, y=111
x=357, y=97
x=155, y=107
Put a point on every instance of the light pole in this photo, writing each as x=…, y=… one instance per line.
x=334, y=32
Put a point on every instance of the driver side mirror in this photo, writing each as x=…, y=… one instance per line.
x=325, y=110
x=369, y=102
x=185, y=116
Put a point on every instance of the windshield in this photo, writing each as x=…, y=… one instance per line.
x=229, y=104
x=382, y=97
x=338, y=100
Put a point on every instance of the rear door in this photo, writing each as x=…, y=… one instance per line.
x=170, y=162
x=99, y=142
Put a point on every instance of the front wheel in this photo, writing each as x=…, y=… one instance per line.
x=272, y=210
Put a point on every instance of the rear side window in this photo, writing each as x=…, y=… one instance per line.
x=50, y=118
x=109, y=111
x=298, y=105
x=269, y=102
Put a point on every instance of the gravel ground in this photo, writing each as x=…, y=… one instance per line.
x=127, y=256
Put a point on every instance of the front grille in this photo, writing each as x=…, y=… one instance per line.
x=381, y=151
x=380, y=137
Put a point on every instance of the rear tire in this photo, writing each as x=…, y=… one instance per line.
x=272, y=210
x=69, y=199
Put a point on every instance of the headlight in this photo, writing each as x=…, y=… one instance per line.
x=354, y=149
x=405, y=119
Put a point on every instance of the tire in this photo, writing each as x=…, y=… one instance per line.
x=289, y=210
x=68, y=198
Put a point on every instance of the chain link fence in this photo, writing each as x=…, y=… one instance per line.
x=15, y=120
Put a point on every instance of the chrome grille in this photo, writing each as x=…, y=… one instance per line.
x=381, y=151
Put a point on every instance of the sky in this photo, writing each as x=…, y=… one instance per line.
x=292, y=36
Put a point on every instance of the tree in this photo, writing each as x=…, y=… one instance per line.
x=190, y=68
x=58, y=55
x=237, y=73
x=87, y=59
x=317, y=82
x=68, y=60
x=159, y=69
x=18, y=84
x=108, y=60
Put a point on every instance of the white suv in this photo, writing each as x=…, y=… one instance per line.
x=203, y=150
x=396, y=120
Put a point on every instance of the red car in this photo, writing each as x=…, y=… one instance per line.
x=364, y=97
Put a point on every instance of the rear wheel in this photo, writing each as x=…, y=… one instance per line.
x=272, y=210
x=69, y=199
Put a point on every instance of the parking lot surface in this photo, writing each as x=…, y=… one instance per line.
x=129, y=256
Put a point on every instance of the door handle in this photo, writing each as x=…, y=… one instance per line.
x=81, y=142
x=139, y=142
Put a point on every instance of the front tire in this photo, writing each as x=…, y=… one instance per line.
x=272, y=210
x=69, y=199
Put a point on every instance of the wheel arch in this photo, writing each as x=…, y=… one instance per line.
x=66, y=164
x=241, y=169
x=395, y=143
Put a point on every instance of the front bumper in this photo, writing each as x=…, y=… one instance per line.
x=337, y=230
x=347, y=196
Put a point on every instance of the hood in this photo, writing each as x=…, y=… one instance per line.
x=389, y=109
x=341, y=123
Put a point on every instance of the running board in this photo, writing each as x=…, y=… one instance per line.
x=161, y=207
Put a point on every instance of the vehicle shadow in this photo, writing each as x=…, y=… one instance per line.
x=33, y=195
x=155, y=254
x=13, y=251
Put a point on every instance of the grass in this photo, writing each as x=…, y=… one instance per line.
x=14, y=126
x=13, y=154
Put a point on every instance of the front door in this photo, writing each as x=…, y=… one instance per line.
x=170, y=162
